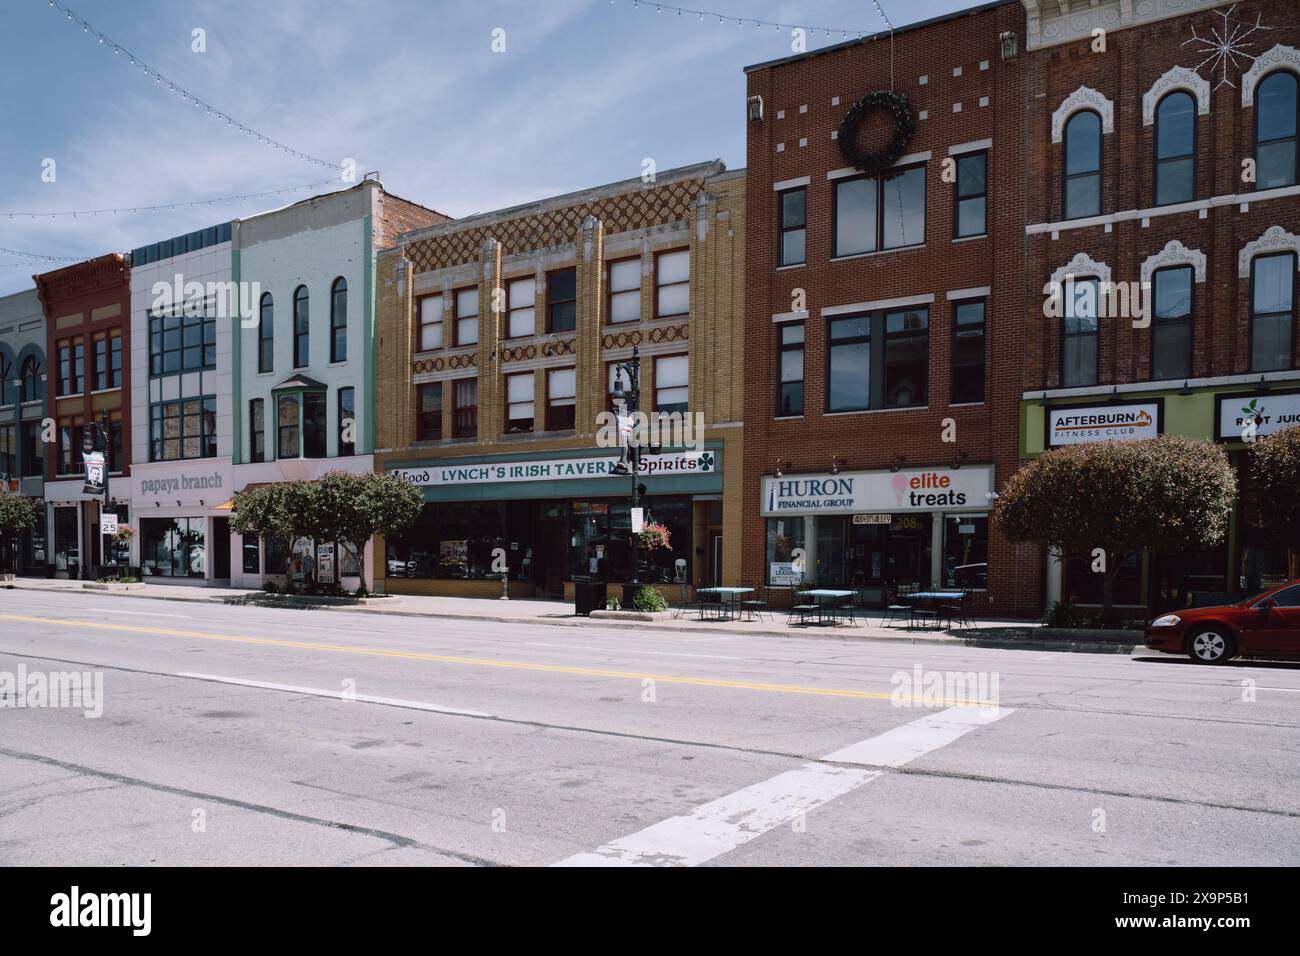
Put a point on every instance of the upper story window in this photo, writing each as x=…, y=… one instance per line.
x=31, y=379
x=72, y=366
x=1079, y=333
x=672, y=384
x=521, y=307
x=182, y=343
x=790, y=349
x=466, y=316
x=625, y=290
x=1277, y=161
x=792, y=224
x=108, y=360
x=880, y=213
x=430, y=323
x=1272, y=312
x=339, y=320
x=287, y=421
x=672, y=283
x=68, y=459
x=1083, y=165
x=428, y=411
x=561, y=399
x=1176, y=149
x=464, y=409
x=972, y=195
x=968, y=353
x=266, y=334
x=301, y=328
x=1171, y=324
x=519, y=403
x=562, y=300
x=257, y=430
x=186, y=428
x=878, y=360
x=313, y=425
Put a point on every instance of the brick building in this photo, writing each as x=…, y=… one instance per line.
x=498, y=337
x=884, y=311
x=87, y=343
x=1138, y=171
x=22, y=414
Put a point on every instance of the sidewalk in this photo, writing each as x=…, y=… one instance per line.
x=985, y=633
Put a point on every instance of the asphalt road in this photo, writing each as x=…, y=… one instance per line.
x=267, y=736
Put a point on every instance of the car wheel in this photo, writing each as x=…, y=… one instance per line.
x=1212, y=645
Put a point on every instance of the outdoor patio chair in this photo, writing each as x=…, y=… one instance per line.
x=711, y=607
x=755, y=607
x=895, y=608
x=685, y=603
x=803, y=609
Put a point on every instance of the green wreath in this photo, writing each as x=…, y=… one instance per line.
x=904, y=127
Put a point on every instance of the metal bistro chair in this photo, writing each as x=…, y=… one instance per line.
x=755, y=607
x=685, y=604
x=895, y=609
x=803, y=610
x=855, y=606
x=711, y=603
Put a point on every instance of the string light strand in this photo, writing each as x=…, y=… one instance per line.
x=741, y=21
x=165, y=207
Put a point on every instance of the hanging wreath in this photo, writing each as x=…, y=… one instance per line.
x=904, y=127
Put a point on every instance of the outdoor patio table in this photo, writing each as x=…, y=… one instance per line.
x=827, y=594
x=729, y=598
x=936, y=599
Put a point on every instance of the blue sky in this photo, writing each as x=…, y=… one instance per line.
x=583, y=92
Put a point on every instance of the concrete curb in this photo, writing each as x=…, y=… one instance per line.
x=998, y=642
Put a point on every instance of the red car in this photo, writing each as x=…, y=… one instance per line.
x=1266, y=625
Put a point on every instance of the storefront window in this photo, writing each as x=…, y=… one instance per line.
x=1084, y=586
x=966, y=552
x=67, y=555
x=252, y=555
x=172, y=547
x=784, y=535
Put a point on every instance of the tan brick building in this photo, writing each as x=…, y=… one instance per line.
x=497, y=338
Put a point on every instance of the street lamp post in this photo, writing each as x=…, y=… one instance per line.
x=631, y=399
x=88, y=442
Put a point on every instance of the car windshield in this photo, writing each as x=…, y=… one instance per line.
x=1254, y=597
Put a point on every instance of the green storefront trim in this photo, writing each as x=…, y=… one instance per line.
x=604, y=487
x=236, y=405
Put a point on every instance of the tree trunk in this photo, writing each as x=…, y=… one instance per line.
x=1108, y=589
x=361, y=566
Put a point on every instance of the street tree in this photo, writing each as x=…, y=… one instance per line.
x=18, y=513
x=283, y=512
x=354, y=508
x=1104, y=500
x=1275, y=473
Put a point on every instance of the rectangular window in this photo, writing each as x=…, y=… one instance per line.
x=972, y=195
x=903, y=208
x=1079, y=333
x=907, y=358
x=181, y=343
x=347, y=414
x=1272, y=312
x=562, y=300
x=313, y=425
x=519, y=403
x=849, y=364
x=287, y=417
x=115, y=459
x=672, y=384
x=672, y=283
x=855, y=216
x=966, y=552
x=522, y=308
x=464, y=412
x=257, y=430
x=100, y=379
x=625, y=290
x=69, y=460
x=880, y=213
x=790, y=343
x=1171, y=327
x=252, y=551
x=785, y=536
x=8, y=451
x=430, y=323
x=428, y=411
x=792, y=225
x=185, y=428
x=561, y=399
x=72, y=360
x=466, y=316
x=968, y=353
x=33, y=450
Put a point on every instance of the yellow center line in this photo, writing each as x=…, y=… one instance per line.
x=485, y=662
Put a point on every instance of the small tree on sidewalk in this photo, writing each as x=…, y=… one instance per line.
x=1104, y=500
x=283, y=512
x=354, y=508
x=1275, y=470
x=18, y=513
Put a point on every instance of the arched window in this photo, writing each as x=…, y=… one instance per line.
x=1083, y=165
x=1277, y=161
x=301, y=327
x=266, y=334
x=1176, y=149
x=31, y=375
x=339, y=320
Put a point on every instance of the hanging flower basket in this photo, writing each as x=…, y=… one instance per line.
x=124, y=534
x=654, y=537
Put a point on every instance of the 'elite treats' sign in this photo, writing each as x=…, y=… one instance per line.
x=919, y=489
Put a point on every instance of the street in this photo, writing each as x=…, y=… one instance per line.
x=244, y=735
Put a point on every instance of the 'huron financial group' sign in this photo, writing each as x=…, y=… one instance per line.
x=914, y=489
x=555, y=469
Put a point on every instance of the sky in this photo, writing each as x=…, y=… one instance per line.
x=582, y=93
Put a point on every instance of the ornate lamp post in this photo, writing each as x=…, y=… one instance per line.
x=630, y=463
x=88, y=443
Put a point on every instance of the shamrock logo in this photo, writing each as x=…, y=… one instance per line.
x=706, y=461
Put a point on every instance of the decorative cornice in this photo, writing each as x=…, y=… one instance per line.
x=1265, y=63
x=1175, y=254
x=1275, y=239
x=1054, y=22
x=1082, y=265
x=1084, y=98
x=1176, y=78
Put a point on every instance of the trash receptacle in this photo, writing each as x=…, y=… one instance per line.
x=588, y=596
